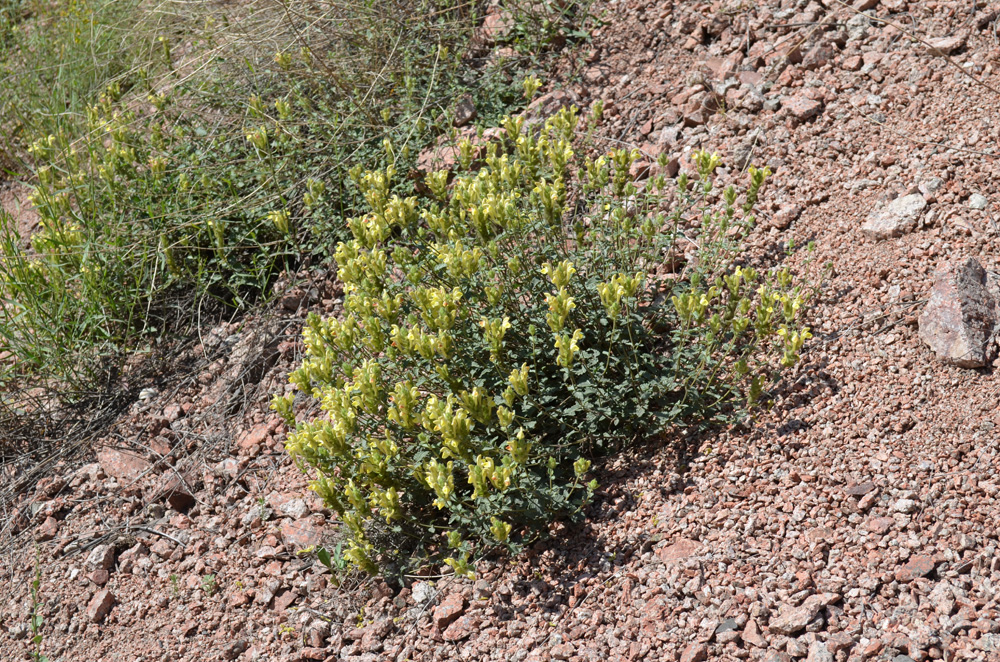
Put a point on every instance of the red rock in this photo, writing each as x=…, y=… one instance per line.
x=785, y=216
x=122, y=465
x=853, y=63
x=301, y=533
x=465, y=625
x=48, y=530
x=563, y=651
x=258, y=436
x=859, y=489
x=312, y=654
x=802, y=108
x=817, y=56
x=914, y=568
x=497, y=25
x=959, y=319
x=284, y=599
x=753, y=636
x=695, y=653
x=945, y=45
x=99, y=576
x=794, y=619
x=680, y=550
x=50, y=486
x=100, y=606
x=172, y=412
x=881, y=525
x=450, y=608
x=161, y=446
x=238, y=599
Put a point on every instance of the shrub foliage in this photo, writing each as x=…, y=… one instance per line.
x=499, y=335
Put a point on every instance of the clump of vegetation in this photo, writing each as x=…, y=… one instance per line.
x=188, y=154
x=499, y=336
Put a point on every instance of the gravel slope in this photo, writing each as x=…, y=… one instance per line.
x=855, y=520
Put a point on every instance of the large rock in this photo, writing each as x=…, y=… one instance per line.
x=895, y=219
x=959, y=318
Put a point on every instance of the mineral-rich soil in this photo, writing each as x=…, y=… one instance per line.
x=855, y=520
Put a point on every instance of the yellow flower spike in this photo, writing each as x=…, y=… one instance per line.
x=518, y=379
x=568, y=346
x=500, y=530
x=505, y=416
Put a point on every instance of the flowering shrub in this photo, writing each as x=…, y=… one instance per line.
x=499, y=336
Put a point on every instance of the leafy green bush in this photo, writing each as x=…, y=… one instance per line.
x=496, y=338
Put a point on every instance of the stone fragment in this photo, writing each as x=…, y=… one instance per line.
x=895, y=219
x=818, y=652
x=301, y=533
x=753, y=636
x=906, y=506
x=258, y=436
x=728, y=631
x=881, y=525
x=422, y=592
x=465, y=112
x=497, y=25
x=465, y=625
x=100, y=606
x=945, y=45
x=48, y=530
x=284, y=599
x=859, y=489
x=102, y=557
x=978, y=201
x=680, y=550
x=695, y=653
x=785, y=216
x=795, y=619
x=914, y=568
x=797, y=648
x=802, y=108
x=817, y=56
x=99, y=576
x=449, y=610
x=867, y=501
x=959, y=319
x=122, y=465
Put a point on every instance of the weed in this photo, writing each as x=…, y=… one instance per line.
x=175, y=585
x=209, y=585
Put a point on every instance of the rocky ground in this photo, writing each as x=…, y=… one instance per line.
x=854, y=521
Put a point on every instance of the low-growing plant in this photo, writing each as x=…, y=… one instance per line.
x=498, y=337
x=209, y=585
